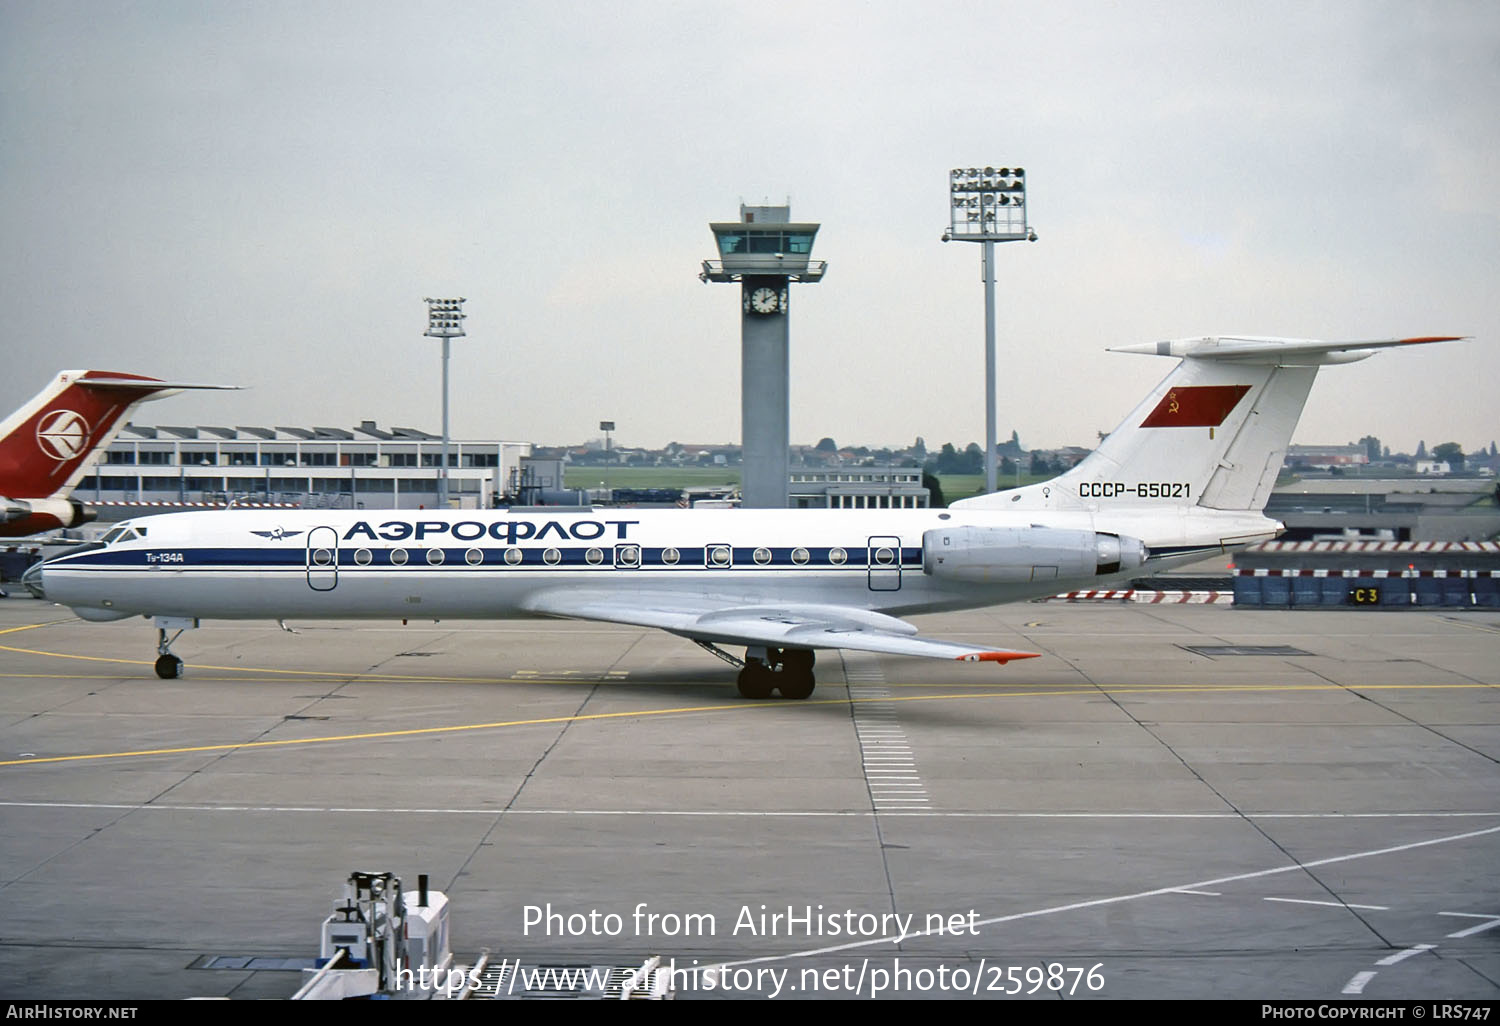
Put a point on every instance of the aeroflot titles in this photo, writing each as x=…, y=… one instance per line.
x=508, y=531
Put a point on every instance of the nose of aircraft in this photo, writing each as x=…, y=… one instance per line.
x=31, y=580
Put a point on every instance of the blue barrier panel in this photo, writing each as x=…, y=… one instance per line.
x=1455, y=591
x=1428, y=590
x=1394, y=591
x=1486, y=591
x=13, y=565
x=1275, y=591
x=1335, y=590
x=1247, y=591
x=1307, y=591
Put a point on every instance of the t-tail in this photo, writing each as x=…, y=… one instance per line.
x=1207, y=443
x=48, y=444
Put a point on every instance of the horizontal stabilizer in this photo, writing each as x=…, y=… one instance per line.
x=1286, y=352
x=147, y=383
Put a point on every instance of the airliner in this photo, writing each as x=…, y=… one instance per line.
x=48, y=444
x=1187, y=474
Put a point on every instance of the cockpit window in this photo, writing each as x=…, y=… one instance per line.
x=124, y=533
x=114, y=533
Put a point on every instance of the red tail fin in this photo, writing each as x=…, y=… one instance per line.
x=45, y=445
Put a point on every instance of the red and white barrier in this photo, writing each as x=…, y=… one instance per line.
x=1147, y=597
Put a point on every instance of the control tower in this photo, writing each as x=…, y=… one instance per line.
x=764, y=251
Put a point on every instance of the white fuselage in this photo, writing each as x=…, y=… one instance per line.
x=493, y=564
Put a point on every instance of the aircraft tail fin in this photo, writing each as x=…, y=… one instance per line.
x=46, y=445
x=1212, y=434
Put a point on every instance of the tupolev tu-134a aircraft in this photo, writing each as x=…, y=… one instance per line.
x=1187, y=474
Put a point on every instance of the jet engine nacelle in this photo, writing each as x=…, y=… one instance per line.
x=46, y=514
x=996, y=555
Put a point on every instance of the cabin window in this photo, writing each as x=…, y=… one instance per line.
x=363, y=557
x=628, y=555
x=474, y=557
x=799, y=556
x=884, y=556
x=594, y=556
x=434, y=556
x=322, y=557
x=551, y=557
x=719, y=555
x=670, y=556
x=762, y=556
x=398, y=557
x=837, y=557
x=513, y=556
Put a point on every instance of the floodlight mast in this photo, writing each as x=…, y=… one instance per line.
x=988, y=205
x=606, y=426
x=445, y=320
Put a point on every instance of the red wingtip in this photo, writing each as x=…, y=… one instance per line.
x=1432, y=338
x=997, y=657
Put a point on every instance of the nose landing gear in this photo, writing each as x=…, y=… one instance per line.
x=168, y=666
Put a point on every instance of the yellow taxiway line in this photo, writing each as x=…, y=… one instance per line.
x=725, y=707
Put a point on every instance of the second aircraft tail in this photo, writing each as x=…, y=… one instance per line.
x=1213, y=434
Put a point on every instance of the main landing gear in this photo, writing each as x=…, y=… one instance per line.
x=788, y=670
x=168, y=666
x=764, y=670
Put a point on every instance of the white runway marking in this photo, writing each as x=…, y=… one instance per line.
x=1119, y=899
x=1402, y=956
x=754, y=814
x=1494, y=921
x=1329, y=904
x=889, y=766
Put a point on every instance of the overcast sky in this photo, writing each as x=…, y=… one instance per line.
x=262, y=194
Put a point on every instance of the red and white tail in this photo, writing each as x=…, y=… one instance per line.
x=45, y=445
x=1213, y=434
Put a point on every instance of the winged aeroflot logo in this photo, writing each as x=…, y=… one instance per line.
x=277, y=535
x=62, y=434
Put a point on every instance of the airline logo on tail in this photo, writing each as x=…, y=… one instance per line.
x=46, y=446
x=63, y=434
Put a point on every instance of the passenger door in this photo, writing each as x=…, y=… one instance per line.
x=884, y=563
x=322, y=559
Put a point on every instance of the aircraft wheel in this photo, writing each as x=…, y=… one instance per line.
x=755, y=681
x=796, y=677
x=168, y=667
x=796, y=683
x=799, y=660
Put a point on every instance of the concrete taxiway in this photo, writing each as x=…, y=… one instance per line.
x=1174, y=802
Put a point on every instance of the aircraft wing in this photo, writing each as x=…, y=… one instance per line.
x=780, y=626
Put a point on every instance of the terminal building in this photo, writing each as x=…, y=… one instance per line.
x=393, y=468
x=858, y=488
x=1456, y=509
x=313, y=467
